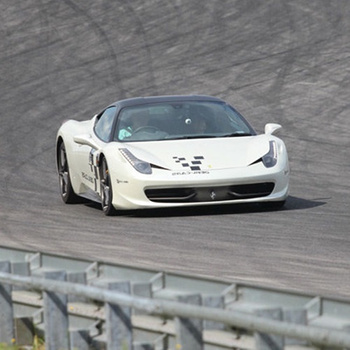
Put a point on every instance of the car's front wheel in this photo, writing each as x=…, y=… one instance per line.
x=67, y=193
x=106, y=190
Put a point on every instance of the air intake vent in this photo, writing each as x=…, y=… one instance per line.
x=209, y=194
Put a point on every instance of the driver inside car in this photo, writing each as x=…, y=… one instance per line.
x=133, y=122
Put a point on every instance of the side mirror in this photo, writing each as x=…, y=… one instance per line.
x=271, y=128
x=85, y=140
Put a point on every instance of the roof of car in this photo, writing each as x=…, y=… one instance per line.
x=158, y=99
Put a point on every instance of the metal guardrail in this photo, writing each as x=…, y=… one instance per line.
x=120, y=307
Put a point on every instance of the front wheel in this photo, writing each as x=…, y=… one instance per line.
x=106, y=190
x=67, y=193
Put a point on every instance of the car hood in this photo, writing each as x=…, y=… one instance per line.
x=202, y=154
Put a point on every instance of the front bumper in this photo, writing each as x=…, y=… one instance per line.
x=212, y=187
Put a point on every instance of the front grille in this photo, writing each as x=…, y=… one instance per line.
x=171, y=195
x=251, y=190
x=209, y=194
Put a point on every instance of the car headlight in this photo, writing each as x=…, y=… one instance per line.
x=138, y=164
x=270, y=158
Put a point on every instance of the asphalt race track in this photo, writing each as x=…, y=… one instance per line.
x=276, y=61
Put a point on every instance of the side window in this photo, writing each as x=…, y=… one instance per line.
x=104, y=125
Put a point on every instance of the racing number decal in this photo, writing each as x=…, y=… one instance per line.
x=193, y=164
x=93, y=162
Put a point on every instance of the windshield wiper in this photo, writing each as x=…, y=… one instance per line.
x=193, y=137
x=237, y=134
x=200, y=136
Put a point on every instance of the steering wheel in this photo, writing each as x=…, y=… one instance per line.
x=145, y=128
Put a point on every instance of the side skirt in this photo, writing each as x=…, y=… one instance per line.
x=91, y=195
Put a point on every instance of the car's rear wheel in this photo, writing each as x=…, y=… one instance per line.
x=106, y=190
x=67, y=193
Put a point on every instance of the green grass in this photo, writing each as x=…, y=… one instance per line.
x=38, y=344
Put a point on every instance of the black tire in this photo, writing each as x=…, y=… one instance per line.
x=67, y=193
x=106, y=190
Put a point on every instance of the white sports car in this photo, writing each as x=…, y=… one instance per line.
x=170, y=151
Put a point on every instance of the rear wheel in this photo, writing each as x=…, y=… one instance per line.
x=67, y=193
x=106, y=190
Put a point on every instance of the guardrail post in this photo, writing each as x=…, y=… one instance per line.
x=346, y=328
x=298, y=316
x=56, y=315
x=22, y=269
x=76, y=277
x=24, y=330
x=118, y=320
x=265, y=341
x=79, y=339
x=215, y=301
x=189, y=331
x=142, y=290
x=6, y=307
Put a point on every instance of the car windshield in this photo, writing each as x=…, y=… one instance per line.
x=180, y=120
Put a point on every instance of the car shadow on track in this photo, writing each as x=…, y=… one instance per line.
x=292, y=203
x=295, y=203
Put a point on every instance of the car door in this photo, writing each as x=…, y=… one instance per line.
x=101, y=135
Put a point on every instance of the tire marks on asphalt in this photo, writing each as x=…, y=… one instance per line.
x=277, y=61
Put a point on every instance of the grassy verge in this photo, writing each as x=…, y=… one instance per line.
x=38, y=344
